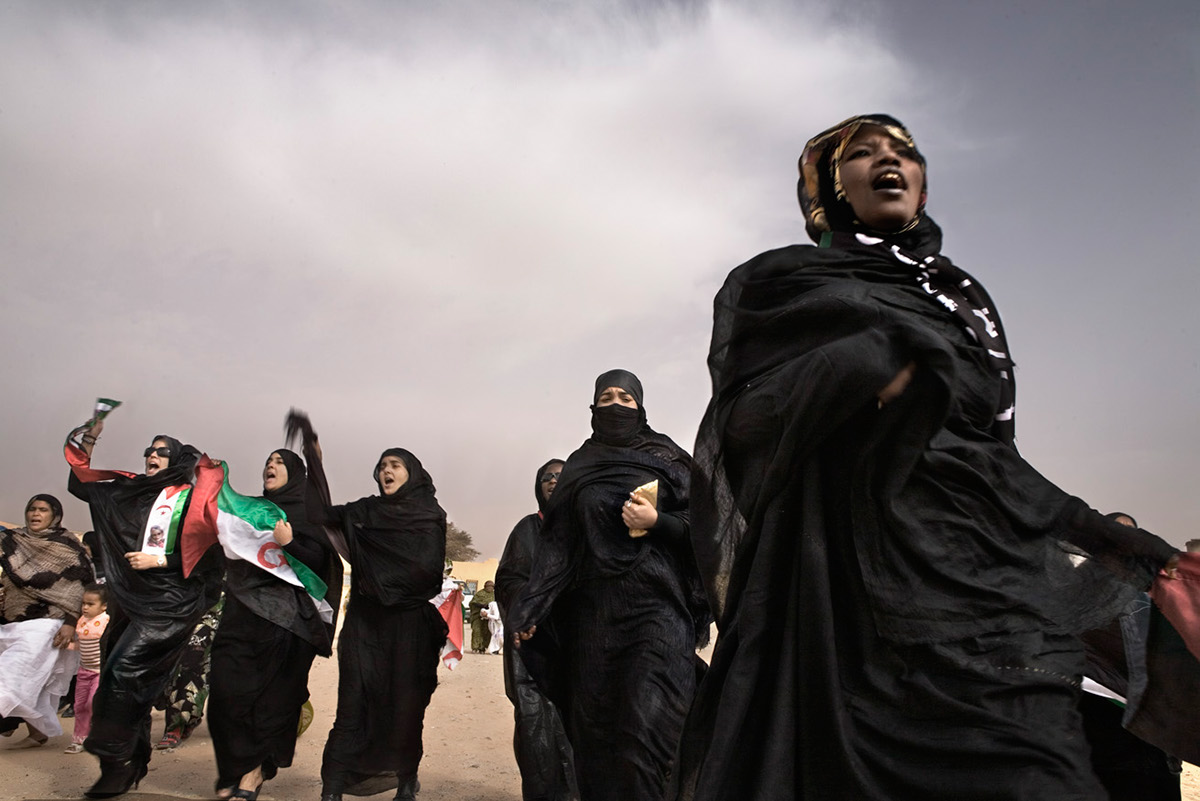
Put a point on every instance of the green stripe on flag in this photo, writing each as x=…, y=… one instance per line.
x=311, y=581
x=177, y=519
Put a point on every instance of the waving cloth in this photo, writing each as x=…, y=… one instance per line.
x=915, y=562
x=44, y=572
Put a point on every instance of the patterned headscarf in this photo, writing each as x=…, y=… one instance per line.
x=822, y=196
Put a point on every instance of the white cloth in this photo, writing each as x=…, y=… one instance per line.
x=34, y=674
x=496, y=627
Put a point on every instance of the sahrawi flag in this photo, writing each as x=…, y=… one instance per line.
x=245, y=528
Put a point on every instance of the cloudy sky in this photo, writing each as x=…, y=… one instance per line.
x=432, y=225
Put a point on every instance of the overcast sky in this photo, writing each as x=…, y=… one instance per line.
x=432, y=227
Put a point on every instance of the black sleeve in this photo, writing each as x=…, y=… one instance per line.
x=671, y=526
x=1130, y=553
x=81, y=490
x=309, y=548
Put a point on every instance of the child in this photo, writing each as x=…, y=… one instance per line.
x=88, y=631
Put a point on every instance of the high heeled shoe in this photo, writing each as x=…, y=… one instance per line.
x=117, y=778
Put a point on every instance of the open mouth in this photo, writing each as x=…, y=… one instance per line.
x=889, y=180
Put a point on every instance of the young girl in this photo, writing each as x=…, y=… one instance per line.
x=88, y=631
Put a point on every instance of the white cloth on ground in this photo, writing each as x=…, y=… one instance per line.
x=34, y=674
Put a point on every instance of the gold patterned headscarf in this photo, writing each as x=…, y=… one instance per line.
x=822, y=196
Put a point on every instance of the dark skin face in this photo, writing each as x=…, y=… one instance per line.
x=882, y=178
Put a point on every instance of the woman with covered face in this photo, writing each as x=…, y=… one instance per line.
x=610, y=617
x=153, y=605
x=270, y=632
x=388, y=649
x=895, y=599
x=45, y=570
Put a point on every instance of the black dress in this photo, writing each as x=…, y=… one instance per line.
x=893, y=586
x=389, y=644
x=270, y=632
x=540, y=743
x=151, y=612
x=617, y=617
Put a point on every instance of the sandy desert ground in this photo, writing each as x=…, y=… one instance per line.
x=468, y=750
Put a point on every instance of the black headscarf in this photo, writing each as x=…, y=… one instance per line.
x=617, y=425
x=397, y=542
x=537, y=483
x=291, y=496
x=179, y=470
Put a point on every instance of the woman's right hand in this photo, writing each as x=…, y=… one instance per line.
x=521, y=636
x=90, y=434
x=140, y=560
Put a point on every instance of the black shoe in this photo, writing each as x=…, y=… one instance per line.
x=331, y=797
x=117, y=778
x=407, y=791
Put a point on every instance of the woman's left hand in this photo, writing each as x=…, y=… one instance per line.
x=639, y=512
x=64, y=636
x=140, y=560
x=1171, y=568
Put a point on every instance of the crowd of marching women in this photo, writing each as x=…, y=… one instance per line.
x=905, y=608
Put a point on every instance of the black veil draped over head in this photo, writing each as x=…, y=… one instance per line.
x=881, y=538
x=398, y=542
x=517, y=560
x=618, y=461
x=388, y=649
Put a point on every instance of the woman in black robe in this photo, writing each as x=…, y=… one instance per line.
x=152, y=606
x=270, y=632
x=893, y=586
x=388, y=649
x=539, y=741
x=608, y=622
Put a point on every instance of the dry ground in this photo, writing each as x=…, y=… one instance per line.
x=468, y=750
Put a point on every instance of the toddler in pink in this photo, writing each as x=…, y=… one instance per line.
x=88, y=631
